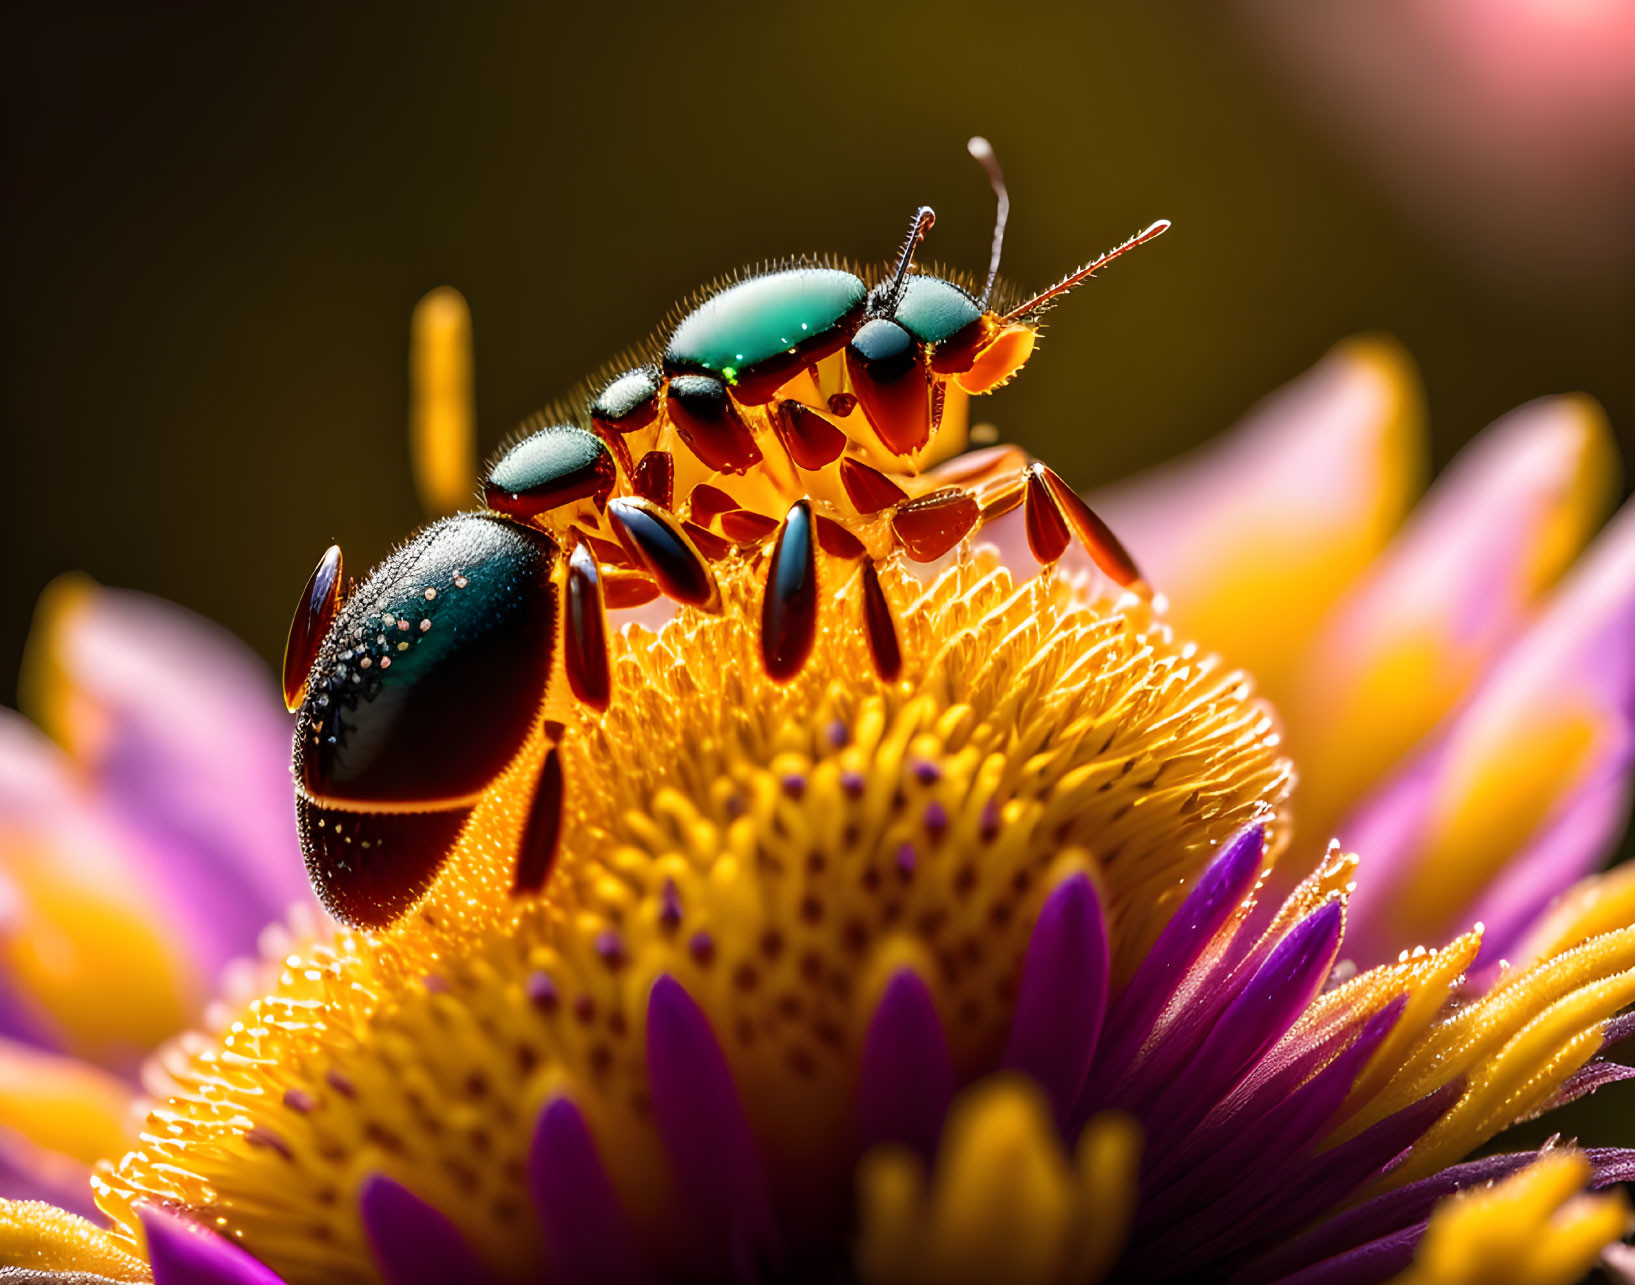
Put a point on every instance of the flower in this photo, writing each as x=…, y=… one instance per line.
x=144, y=843
x=1024, y=967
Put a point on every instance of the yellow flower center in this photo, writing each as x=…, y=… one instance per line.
x=779, y=849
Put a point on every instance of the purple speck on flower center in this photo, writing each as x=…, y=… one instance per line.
x=988, y=830
x=261, y=1136
x=436, y=984
x=584, y=1008
x=839, y=735
x=541, y=992
x=794, y=784
x=853, y=784
x=905, y=859
x=734, y=806
x=341, y=1084
x=936, y=819
x=702, y=947
x=926, y=772
x=669, y=904
x=610, y=948
x=299, y=1100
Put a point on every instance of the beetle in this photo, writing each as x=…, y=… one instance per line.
x=798, y=412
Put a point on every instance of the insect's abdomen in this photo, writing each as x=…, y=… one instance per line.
x=428, y=682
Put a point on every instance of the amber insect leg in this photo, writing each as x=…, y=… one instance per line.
x=879, y=627
x=656, y=539
x=1054, y=515
x=789, y=605
x=584, y=632
x=542, y=832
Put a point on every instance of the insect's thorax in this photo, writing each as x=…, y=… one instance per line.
x=828, y=393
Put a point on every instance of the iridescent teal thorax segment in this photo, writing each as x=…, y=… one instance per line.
x=764, y=318
x=933, y=310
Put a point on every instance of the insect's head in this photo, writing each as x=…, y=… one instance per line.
x=968, y=338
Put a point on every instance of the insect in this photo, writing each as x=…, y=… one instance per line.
x=801, y=412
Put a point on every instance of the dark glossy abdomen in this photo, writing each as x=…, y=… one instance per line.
x=433, y=673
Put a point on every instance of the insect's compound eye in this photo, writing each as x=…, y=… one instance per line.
x=938, y=313
x=889, y=377
x=425, y=688
x=550, y=467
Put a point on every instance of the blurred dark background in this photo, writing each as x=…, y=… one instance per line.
x=217, y=223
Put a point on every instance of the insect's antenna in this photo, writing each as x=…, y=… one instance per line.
x=924, y=219
x=982, y=150
x=1074, y=278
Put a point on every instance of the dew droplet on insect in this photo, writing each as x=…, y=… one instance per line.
x=460, y=582
x=430, y=593
x=425, y=625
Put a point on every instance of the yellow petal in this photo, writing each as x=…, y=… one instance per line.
x=82, y=942
x=1527, y=786
x=1255, y=537
x=1534, y=1228
x=39, y=1237
x=1599, y=904
x=1409, y=642
x=1003, y=1203
x=1109, y=1154
x=1515, y=1046
x=63, y=1105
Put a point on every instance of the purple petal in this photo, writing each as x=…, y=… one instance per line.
x=1219, y=891
x=1406, y=1210
x=705, y=1134
x=1455, y=587
x=1063, y=996
x=192, y=733
x=57, y=1182
x=1586, y=827
x=179, y=732
x=1446, y=846
x=80, y=842
x=1618, y=1029
x=585, y=1231
x=1377, y=1261
x=906, y=1081
x=1327, y=465
x=413, y=1242
x=1252, y=1216
x=1280, y=991
x=1262, y=1135
x=1587, y=1079
x=183, y=1253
